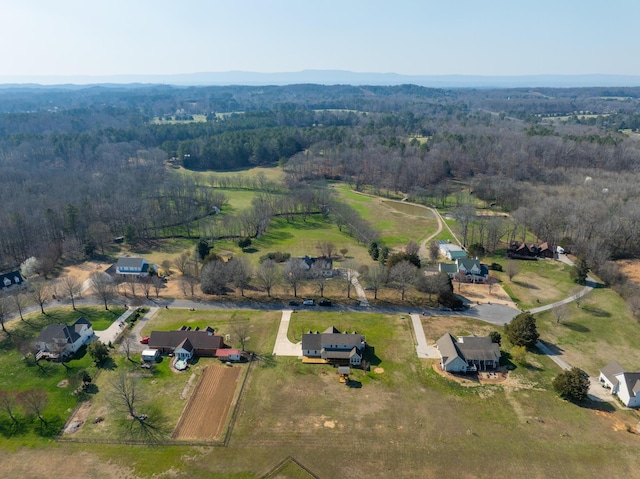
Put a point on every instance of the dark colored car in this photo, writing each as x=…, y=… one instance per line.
x=324, y=302
x=294, y=303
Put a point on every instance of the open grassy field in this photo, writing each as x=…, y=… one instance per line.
x=538, y=282
x=601, y=330
x=397, y=222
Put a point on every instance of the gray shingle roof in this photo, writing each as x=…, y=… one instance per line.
x=610, y=371
x=130, y=263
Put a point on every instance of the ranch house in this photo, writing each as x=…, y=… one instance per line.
x=467, y=270
x=467, y=353
x=334, y=347
x=186, y=343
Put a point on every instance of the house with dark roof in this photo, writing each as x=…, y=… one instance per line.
x=334, y=347
x=467, y=270
x=523, y=250
x=186, y=343
x=9, y=280
x=322, y=265
x=468, y=353
x=622, y=384
x=60, y=340
x=132, y=267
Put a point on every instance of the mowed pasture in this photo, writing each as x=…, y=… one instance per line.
x=206, y=413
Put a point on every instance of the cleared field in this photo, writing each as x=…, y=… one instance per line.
x=205, y=415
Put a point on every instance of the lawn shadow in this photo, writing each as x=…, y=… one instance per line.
x=579, y=328
x=109, y=364
x=525, y=285
x=595, y=311
x=602, y=406
x=353, y=384
x=370, y=356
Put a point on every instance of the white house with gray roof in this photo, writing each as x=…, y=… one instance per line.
x=467, y=353
x=622, y=384
x=467, y=270
x=132, y=267
x=61, y=340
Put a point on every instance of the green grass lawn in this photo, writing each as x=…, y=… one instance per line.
x=397, y=222
x=57, y=380
x=601, y=330
x=538, y=282
x=263, y=325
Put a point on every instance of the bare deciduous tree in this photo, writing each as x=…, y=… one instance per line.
x=182, y=261
x=512, y=269
x=403, y=275
x=241, y=271
x=34, y=401
x=71, y=287
x=560, y=312
x=5, y=311
x=40, y=293
x=9, y=404
x=19, y=301
x=240, y=331
x=104, y=287
x=294, y=273
x=268, y=275
x=377, y=277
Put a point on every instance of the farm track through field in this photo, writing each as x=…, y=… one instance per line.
x=206, y=412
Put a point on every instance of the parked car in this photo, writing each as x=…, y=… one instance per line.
x=145, y=340
x=324, y=302
x=368, y=288
x=308, y=302
x=294, y=303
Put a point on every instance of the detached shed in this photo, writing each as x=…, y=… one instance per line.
x=230, y=354
x=150, y=355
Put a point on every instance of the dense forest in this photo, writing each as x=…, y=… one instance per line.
x=82, y=165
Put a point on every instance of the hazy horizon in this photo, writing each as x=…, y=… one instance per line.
x=73, y=39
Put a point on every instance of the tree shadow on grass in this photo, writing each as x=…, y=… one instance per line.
x=109, y=364
x=525, y=285
x=579, y=328
x=595, y=311
x=265, y=360
x=8, y=428
x=602, y=406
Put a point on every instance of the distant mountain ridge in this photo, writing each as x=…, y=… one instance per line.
x=330, y=77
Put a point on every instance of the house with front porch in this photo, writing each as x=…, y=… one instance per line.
x=466, y=270
x=334, y=347
x=468, y=353
x=60, y=340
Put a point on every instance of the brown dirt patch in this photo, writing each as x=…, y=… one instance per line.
x=472, y=380
x=79, y=418
x=378, y=370
x=205, y=414
x=63, y=384
x=479, y=293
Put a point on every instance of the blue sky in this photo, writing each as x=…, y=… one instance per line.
x=446, y=37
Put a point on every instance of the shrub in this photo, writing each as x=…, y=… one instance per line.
x=495, y=267
x=572, y=385
x=522, y=330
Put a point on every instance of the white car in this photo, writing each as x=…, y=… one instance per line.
x=307, y=302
